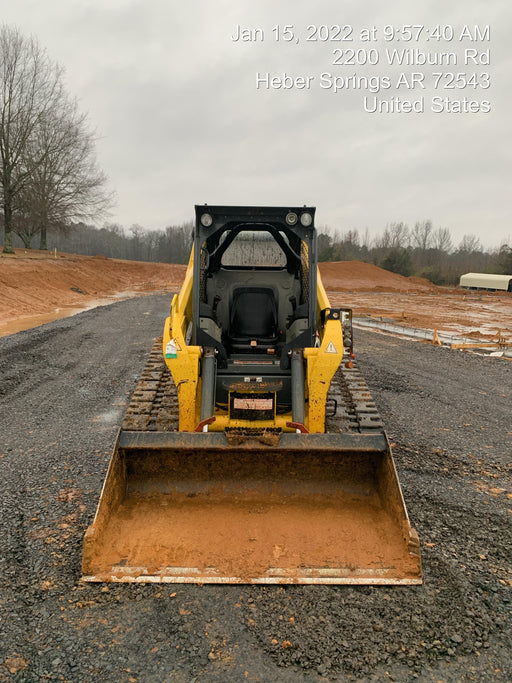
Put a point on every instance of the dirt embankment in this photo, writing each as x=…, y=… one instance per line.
x=365, y=277
x=40, y=286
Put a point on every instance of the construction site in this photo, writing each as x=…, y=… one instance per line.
x=80, y=336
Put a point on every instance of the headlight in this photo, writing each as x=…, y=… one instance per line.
x=206, y=220
x=291, y=218
x=306, y=219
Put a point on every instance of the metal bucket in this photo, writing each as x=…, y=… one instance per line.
x=199, y=508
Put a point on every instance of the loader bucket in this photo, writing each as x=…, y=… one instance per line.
x=199, y=508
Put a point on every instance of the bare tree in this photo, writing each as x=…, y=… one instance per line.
x=24, y=227
x=398, y=234
x=30, y=84
x=383, y=242
x=395, y=236
x=367, y=240
x=442, y=240
x=421, y=235
x=64, y=182
x=393, y=241
x=347, y=247
x=470, y=244
x=470, y=257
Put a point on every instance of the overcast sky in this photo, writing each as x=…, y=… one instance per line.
x=181, y=121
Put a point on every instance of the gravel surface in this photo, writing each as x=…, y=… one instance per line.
x=63, y=389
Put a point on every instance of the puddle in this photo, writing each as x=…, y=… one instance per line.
x=27, y=322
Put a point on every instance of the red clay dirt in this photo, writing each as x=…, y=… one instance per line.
x=365, y=277
x=37, y=287
x=336, y=515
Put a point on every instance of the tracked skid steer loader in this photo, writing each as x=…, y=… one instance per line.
x=251, y=450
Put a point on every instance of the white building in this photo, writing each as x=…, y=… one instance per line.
x=486, y=281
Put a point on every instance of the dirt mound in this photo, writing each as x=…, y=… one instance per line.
x=45, y=283
x=365, y=277
x=422, y=281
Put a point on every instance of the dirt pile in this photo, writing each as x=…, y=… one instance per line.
x=365, y=277
x=42, y=283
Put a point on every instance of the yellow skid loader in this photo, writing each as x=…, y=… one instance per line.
x=251, y=451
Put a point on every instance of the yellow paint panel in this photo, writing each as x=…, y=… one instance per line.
x=185, y=367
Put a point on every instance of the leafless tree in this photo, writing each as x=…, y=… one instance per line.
x=442, y=240
x=30, y=85
x=366, y=240
x=24, y=227
x=421, y=235
x=470, y=244
x=399, y=235
x=64, y=182
x=395, y=236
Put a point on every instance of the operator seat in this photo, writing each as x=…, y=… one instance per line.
x=253, y=319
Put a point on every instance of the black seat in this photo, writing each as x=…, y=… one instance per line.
x=253, y=319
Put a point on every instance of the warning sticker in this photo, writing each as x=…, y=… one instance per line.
x=330, y=348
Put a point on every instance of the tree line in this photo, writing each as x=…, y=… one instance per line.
x=168, y=245
x=423, y=250
x=48, y=171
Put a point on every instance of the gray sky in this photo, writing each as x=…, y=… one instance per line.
x=181, y=121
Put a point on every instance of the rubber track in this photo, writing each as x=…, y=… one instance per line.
x=153, y=405
x=352, y=403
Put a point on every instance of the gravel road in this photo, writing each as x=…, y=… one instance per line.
x=63, y=389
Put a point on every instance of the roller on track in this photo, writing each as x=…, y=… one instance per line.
x=251, y=450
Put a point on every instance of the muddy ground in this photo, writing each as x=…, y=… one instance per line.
x=63, y=388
